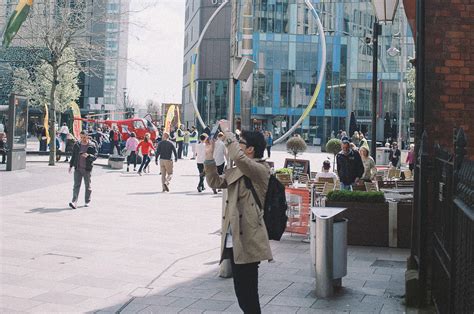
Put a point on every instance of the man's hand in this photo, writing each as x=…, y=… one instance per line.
x=224, y=125
x=84, y=155
x=210, y=144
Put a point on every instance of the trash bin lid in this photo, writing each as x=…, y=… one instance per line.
x=326, y=212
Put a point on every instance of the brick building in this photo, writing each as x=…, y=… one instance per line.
x=440, y=266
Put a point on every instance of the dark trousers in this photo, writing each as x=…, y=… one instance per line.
x=180, y=149
x=220, y=169
x=132, y=158
x=43, y=145
x=115, y=144
x=269, y=148
x=4, y=155
x=245, y=285
x=145, y=162
x=78, y=177
x=411, y=167
x=201, y=175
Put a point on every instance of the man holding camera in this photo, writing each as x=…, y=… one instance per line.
x=244, y=236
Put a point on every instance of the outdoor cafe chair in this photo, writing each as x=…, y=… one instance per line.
x=405, y=184
x=359, y=187
x=284, y=178
x=370, y=186
x=325, y=180
x=393, y=174
x=408, y=174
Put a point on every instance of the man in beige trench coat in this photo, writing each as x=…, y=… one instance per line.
x=244, y=235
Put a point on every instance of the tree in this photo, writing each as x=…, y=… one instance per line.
x=296, y=145
x=333, y=146
x=37, y=83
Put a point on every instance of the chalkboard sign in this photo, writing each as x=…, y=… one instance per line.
x=299, y=166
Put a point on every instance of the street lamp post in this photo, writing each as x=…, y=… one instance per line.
x=384, y=12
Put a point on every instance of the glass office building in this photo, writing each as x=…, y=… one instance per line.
x=287, y=52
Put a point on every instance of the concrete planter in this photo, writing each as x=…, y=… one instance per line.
x=377, y=224
x=116, y=162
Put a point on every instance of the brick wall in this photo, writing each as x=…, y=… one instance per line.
x=449, y=66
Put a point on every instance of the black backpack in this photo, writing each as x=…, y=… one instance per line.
x=274, y=211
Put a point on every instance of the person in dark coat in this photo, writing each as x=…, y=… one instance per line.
x=349, y=165
x=394, y=156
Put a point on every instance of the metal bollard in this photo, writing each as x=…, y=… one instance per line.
x=324, y=256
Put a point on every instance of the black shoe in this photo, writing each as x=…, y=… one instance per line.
x=214, y=190
x=128, y=169
x=72, y=205
x=199, y=189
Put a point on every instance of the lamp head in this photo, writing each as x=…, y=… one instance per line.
x=385, y=9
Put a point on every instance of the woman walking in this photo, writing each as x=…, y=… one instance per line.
x=411, y=158
x=369, y=165
x=269, y=139
x=131, y=147
x=200, y=158
x=147, y=147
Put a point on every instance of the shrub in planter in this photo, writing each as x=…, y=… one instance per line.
x=367, y=213
x=284, y=171
x=333, y=146
x=296, y=145
x=356, y=196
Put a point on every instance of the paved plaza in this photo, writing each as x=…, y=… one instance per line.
x=138, y=250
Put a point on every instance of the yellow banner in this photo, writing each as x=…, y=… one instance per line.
x=46, y=123
x=169, y=118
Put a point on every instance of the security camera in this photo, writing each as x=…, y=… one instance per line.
x=368, y=40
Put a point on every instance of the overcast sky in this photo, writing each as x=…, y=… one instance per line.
x=155, y=50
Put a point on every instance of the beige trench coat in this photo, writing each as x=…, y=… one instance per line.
x=249, y=234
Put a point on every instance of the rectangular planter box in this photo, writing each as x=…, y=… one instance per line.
x=369, y=223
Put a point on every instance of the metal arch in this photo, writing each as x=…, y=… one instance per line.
x=320, y=78
x=195, y=58
x=316, y=91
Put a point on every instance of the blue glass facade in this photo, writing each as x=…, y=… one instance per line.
x=287, y=52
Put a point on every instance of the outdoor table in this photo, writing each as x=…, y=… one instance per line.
x=398, y=190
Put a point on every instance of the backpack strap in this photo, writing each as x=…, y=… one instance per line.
x=249, y=186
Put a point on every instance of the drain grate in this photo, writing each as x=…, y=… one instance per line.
x=389, y=263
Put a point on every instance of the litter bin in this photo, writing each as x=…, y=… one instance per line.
x=328, y=248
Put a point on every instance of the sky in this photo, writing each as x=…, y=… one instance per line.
x=155, y=50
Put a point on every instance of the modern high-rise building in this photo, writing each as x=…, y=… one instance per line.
x=104, y=87
x=287, y=51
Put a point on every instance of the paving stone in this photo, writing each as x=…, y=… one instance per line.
x=193, y=293
x=317, y=311
x=211, y=305
x=224, y=296
x=292, y=301
x=94, y=292
x=82, y=280
x=20, y=304
x=184, y=302
x=133, y=308
x=160, y=300
x=60, y=298
x=20, y=292
x=279, y=309
x=153, y=309
x=55, y=308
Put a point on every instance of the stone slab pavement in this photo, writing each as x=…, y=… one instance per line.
x=138, y=250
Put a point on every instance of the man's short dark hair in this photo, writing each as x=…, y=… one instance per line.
x=256, y=140
x=83, y=132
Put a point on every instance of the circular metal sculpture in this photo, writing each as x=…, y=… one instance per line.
x=313, y=99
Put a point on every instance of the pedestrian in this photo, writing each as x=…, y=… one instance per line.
x=180, y=141
x=146, y=147
x=115, y=137
x=43, y=139
x=349, y=165
x=84, y=153
x=369, y=165
x=355, y=138
x=164, y=151
x=186, y=143
x=325, y=173
x=193, y=139
x=394, y=155
x=3, y=147
x=363, y=141
x=411, y=158
x=219, y=156
x=207, y=130
x=244, y=236
x=64, y=131
x=200, y=158
x=269, y=139
x=131, y=147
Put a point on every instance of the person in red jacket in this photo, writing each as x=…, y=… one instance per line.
x=147, y=147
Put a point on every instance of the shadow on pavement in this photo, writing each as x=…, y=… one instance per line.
x=191, y=285
x=43, y=210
